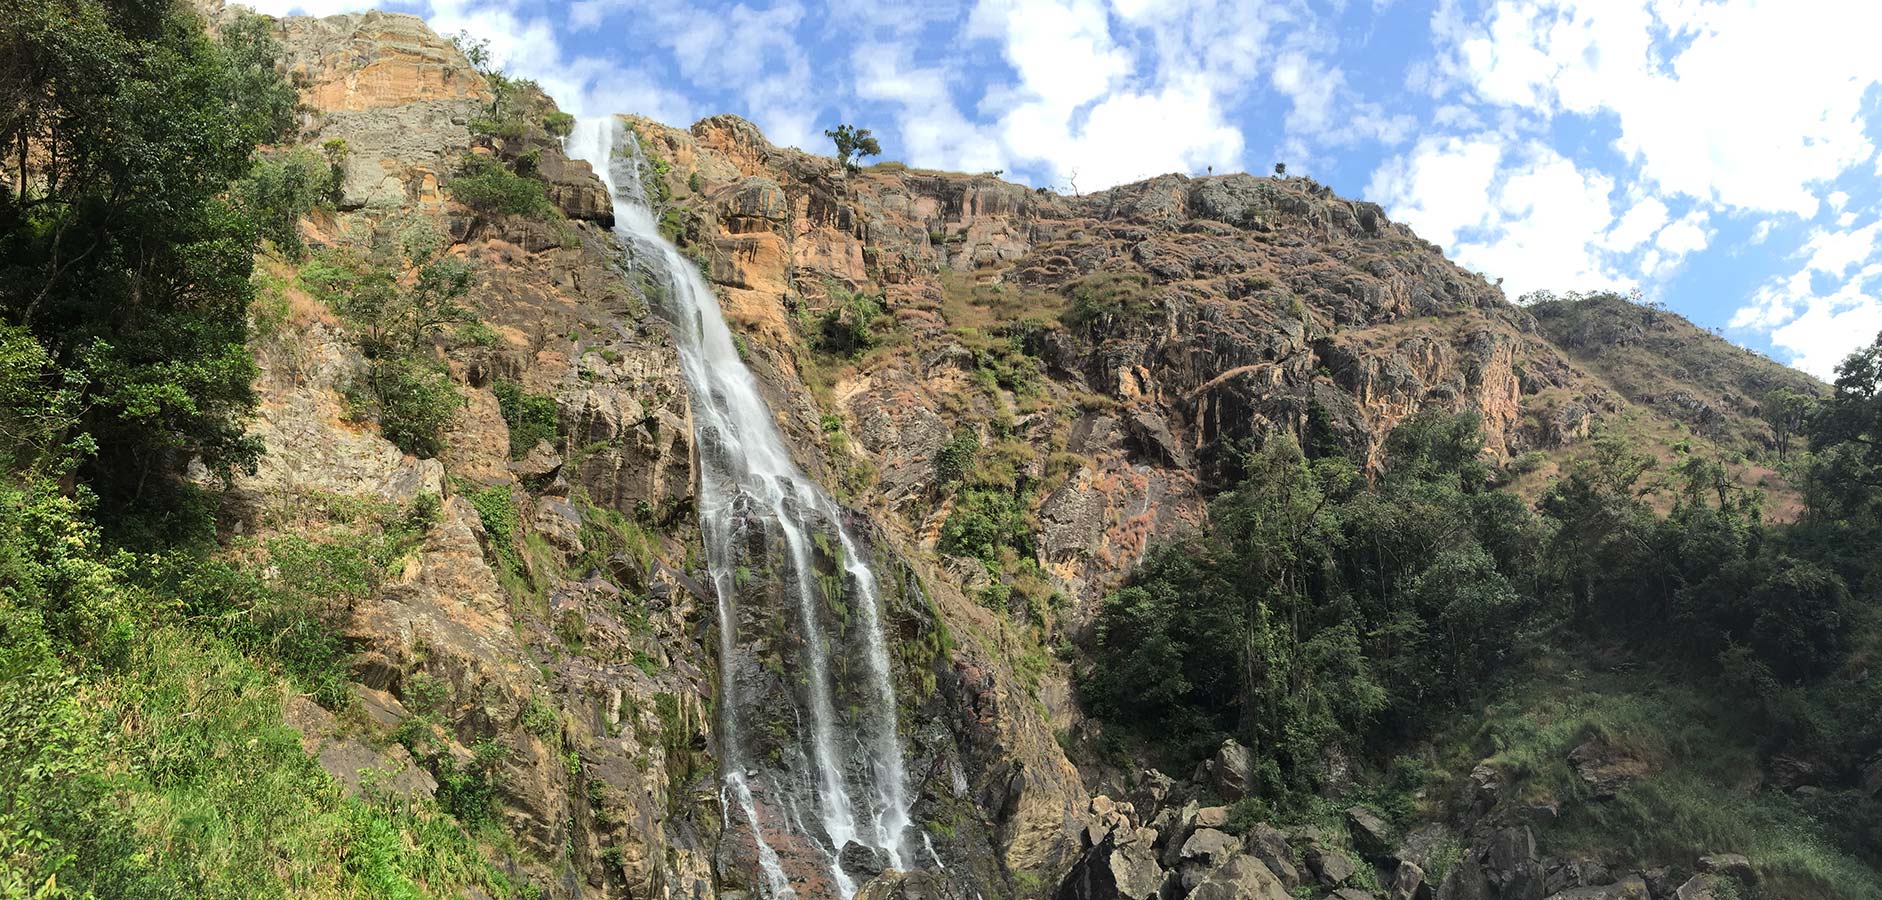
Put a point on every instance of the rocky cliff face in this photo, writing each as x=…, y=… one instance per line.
x=1109, y=352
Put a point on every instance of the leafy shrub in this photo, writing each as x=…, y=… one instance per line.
x=956, y=457
x=1104, y=297
x=985, y=522
x=532, y=418
x=558, y=123
x=280, y=189
x=412, y=401
x=486, y=185
x=849, y=327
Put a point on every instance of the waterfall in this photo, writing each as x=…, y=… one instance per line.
x=836, y=776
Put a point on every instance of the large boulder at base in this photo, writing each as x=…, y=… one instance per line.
x=1632, y=887
x=1204, y=851
x=894, y=885
x=1268, y=844
x=1241, y=878
x=1408, y=882
x=1113, y=871
x=1231, y=772
x=1734, y=865
x=1707, y=887
x=1371, y=836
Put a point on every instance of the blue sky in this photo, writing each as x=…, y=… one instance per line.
x=1717, y=155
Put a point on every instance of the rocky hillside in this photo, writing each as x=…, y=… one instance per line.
x=1120, y=348
x=1020, y=390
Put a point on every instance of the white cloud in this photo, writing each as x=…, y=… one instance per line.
x=1834, y=252
x=1639, y=224
x=1744, y=104
x=1817, y=330
x=1521, y=213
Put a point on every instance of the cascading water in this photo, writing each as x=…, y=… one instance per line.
x=824, y=763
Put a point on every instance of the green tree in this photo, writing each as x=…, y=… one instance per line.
x=1785, y=411
x=119, y=253
x=852, y=144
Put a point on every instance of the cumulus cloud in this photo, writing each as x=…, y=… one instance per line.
x=1522, y=213
x=1693, y=111
x=1817, y=329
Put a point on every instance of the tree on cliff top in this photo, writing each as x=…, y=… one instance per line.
x=853, y=142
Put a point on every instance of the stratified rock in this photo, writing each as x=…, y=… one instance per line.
x=1241, y=878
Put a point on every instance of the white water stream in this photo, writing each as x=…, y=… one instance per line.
x=847, y=766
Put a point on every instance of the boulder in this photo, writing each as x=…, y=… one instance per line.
x=1421, y=843
x=860, y=862
x=1372, y=837
x=1408, y=883
x=1562, y=874
x=1332, y=867
x=1510, y=864
x=1153, y=787
x=1241, y=878
x=1733, y=865
x=1633, y=887
x=1231, y=772
x=1351, y=894
x=1212, y=817
x=1465, y=881
x=1206, y=849
x=1788, y=773
x=1112, y=871
x=1268, y=844
x=1707, y=887
x=894, y=885
x=1605, y=768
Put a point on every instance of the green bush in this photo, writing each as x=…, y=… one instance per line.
x=850, y=326
x=1107, y=297
x=280, y=189
x=558, y=123
x=532, y=418
x=986, y=521
x=486, y=185
x=956, y=457
x=412, y=401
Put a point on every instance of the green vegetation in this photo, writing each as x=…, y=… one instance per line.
x=144, y=669
x=1322, y=610
x=532, y=418
x=1107, y=297
x=487, y=185
x=405, y=388
x=851, y=326
x=852, y=144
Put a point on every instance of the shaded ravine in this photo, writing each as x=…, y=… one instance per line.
x=808, y=745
